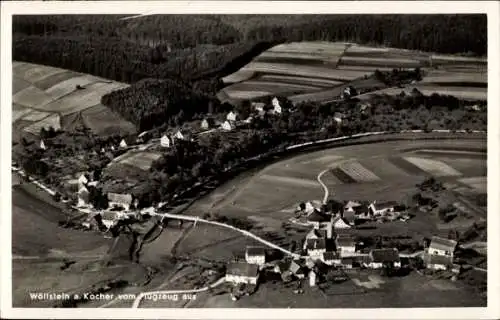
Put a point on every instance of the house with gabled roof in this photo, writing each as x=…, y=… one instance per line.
x=441, y=246
x=277, y=109
x=179, y=135
x=165, y=141
x=340, y=223
x=255, y=255
x=123, y=144
x=83, y=179
x=438, y=262
x=232, y=116
x=83, y=196
x=242, y=272
x=207, y=123
x=42, y=145
x=384, y=257
x=331, y=258
x=227, y=126
x=381, y=208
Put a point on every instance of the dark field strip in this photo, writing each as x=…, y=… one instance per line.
x=379, y=64
x=307, y=82
x=456, y=84
x=342, y=176
x=52, y=80
x=450, y=149
x=297, y=61
x=407, y=166
x=258, y=74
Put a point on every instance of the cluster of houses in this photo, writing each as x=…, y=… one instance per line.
x=330, y=246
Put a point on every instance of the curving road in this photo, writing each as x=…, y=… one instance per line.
x=325, y=188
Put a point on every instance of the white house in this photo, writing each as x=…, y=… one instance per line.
x=232, y=116
x=83, y=196
x=123, y=144
x=276, y=106
x=381, y=257
x=255, y=255
x=339, y=223
x=442, y=247
x=42, y=145
x=83, y=180
x=108, y=218
x=226, y=126
x=312, y=278
x=242, y=272
x=438, y=262
x=120, y=200
x=345, y=244
x=207, y=123
x=315, y=247
x=165, y=141
x=382, y=208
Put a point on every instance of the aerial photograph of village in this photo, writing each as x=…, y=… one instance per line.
x=249, y=161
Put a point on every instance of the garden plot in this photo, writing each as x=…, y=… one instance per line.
x=54, y=79
x=306, y=71
x=53, y=121
x=68, y=86
x=141, y=160
x=19, y=84
x=357, y=172
x=478, y=183
x=433, y=167
x=31, y=97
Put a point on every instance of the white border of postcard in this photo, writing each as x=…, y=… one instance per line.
x=491, y=8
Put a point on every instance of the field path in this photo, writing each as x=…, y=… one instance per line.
x=325, y=188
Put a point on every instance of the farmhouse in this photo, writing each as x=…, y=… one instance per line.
x=438, y=262
x=276, y=106
x=179, y=135
x=315, y=247
x=108, y=218
x=345, y=244
x=384, y=257
x=242, y=272
x=207, y=123
x=255, y=255
x=331, y=258
x=378, y=209
x=123, y=144
x=83, y=196
x=340, y=223
x=42, y=145
x=227, y=126
x=289, y=268
x=120, y=200
x=165, y=141
x=232, y=116
x=442, y=247
x=347, y=263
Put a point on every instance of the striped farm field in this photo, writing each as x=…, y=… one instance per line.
x=274, y=86
x=290, y=180
x=51, y=94
x=452, y=77
x=379, y=62
x=383, y=168
x=450, y=58
x=320, y=96
x=357, y=172
x=301, y=80
x=355, y=48
x=105, y=122
x=306, y=71
x=433, y=167
x=238, y=76
x=241, y=94
x=469, y=93
x=307, y=47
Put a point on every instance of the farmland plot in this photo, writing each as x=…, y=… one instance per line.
x=455, y=77
x=141, y=160
x=54, y=79
x=357, y=172
x=31, y=97
x=238, y=76
x=19, y=84
x=301, y=80
x=273, y=86
x=34, y=73
x=35, y=115
x=104, y=121
x=478, y=183
x=323, y=47
x=379, y=62
x=241, y=94
x=18, y=112
x=68, y=86
x=53, y=121
x=306, y=71
x=433, y=167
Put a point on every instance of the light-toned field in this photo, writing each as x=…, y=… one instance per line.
x=468, y=93
x=450, y=77
x=433, y=167
x=141, y=160
x=379, y=62
x=46, y=91
x=240, y=94
x=310, y=47
x=296, y=79
x=478, y=183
